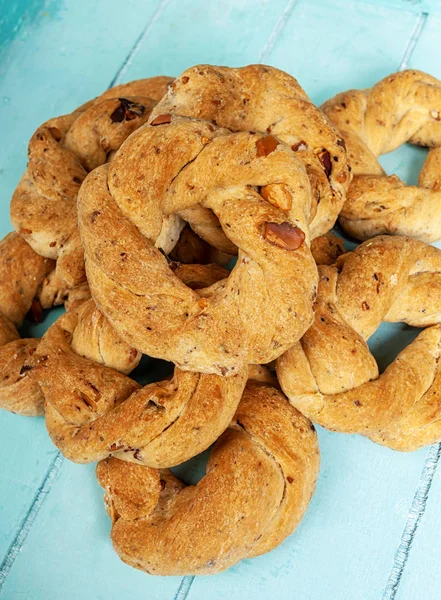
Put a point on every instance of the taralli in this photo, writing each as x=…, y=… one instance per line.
x=265, y=304
x=93, y=411
x=404, y=107
x=331, y=376
x=260, y=477
x=264, y=99
x=61, y=153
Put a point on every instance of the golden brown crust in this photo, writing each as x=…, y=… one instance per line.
x=262, y=307
x=54, y=292
x=93, y=411
x=404, y=107
x=61, y=153
x=332, y=377
x=327, y=248
x=264, y=99
x=21, y=274
x=29, y=284
x=260, y=478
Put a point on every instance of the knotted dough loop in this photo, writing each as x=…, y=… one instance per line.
x=332, y=377
x=263, y=307
x=93, y=411
x=61, y=153
x=265, y=99
x=404, y=107
x=259, y=480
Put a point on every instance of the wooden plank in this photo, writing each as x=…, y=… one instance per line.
x=345, y=546
x=427, y=50
x=415, y=6
x=333, y=46
x=188, y=33
x=26, y=454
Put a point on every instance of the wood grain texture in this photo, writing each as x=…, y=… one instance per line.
x=53, y=528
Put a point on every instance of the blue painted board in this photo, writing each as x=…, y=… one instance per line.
x=333, y=46
x=347, y=545
x=65, y=56
x=223, y=32
x=427, y=51
x=416, y=6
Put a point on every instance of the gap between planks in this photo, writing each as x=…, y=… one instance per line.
x=278, y=29
x=135, y=49
x=414, y=39
x=414, y=517
x=26, y=525
x=184, y=587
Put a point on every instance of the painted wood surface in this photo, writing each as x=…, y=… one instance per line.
x=371, y=529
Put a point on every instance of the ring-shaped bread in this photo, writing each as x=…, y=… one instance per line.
x=93, y=411
x=265, y=304
x=332, y=377
x=404, y=107
x=259, y=480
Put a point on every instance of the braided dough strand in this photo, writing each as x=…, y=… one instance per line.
x=332, y=377
x=94, y=411
x=404, y=107
x=259, y=480
x=22, y=271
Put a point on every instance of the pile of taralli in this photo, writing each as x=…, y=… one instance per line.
x=131, y=213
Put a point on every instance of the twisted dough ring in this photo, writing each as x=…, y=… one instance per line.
x=266, y=302
x=262, y=98
x=404, y=107
x=61, y=153
x=332, y=377
x=260, y=478
x=93, y=411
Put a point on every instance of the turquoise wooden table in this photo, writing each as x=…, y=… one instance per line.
x=372, y=530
